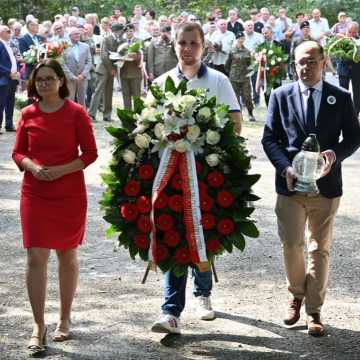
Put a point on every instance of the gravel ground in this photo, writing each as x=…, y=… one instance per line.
x=113, y=312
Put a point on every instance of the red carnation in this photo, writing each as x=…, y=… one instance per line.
x=199, y=167
x=174, y=137
x=176, y=182
x=143, y=204
x=141, y=241
x=132, y=188
x=176, y=203
x=208, y=221
x=206, y=202
x=202, y=187
x=225, y=226
x=129, y=212
x=161, y=201
x=215, y=179
x=172, y=238
x=213, y=244
x=144, y=224
x=165, y=222
x=224, y=198
x=146, y=172
x=182, y=256
x=161, y=252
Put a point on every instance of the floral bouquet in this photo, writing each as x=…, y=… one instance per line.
x=344, y=49
x=271, y=64
x=21, y=100
x=178, y=191
x=42, y=51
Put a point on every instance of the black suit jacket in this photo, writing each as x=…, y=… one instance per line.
x=285, y=132
x=236, y=28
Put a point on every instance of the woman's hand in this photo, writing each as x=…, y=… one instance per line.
x=40, y=172
x=55, y=172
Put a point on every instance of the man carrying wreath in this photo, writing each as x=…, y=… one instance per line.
x=189, y=47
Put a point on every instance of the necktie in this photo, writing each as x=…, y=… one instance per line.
x=310, y=113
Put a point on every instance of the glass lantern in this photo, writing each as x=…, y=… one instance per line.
x=308, y=165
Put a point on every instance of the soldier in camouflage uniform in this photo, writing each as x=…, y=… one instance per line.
x=237, y=67
x=161, y=55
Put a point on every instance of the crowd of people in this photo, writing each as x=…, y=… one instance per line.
x=214, y=55
x=230, y=45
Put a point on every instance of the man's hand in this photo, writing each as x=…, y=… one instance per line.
x=113, y=72
x=290, y=178
x=14, y=76
x=330, y=158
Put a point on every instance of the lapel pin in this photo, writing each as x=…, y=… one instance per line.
x=331, y=100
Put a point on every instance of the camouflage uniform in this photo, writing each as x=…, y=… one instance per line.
x=237, y=67
x=160, y=57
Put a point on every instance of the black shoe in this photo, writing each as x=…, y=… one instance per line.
x=11, y=130
x=107, y=120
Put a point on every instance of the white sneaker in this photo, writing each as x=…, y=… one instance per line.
x=168, y=324
x=205, y=311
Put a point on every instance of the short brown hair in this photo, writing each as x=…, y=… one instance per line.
x=52, y=64
x=191, y=26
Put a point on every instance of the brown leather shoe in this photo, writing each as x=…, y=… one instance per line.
x=293, y=314
x=315, y=327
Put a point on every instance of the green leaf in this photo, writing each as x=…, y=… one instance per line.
x=156, y=91
x=238, y=239
x=250, y=197
x=244, y=212
x=116, y=132
x=227, y=244
x=127, y=119
x=248, y=228
x=250, y=180
x=182, y=87
x=138, y=105
x=110, y=231
x=109, y=178
x=170, y=85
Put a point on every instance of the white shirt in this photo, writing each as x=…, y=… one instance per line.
x=305, y=93
x=226, y=40
x=11, y=56
x=253, y=40
x=318, y=27
x=217, y=83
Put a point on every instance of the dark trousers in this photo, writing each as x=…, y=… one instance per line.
x=7, y=103
x=344, y=81
x=220, y=68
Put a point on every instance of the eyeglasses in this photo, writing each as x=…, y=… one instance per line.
x=47, y=80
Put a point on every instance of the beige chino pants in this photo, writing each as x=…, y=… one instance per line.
x=293, y=213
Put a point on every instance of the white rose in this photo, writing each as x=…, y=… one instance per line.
x=273, y=62
x=270, y=52
x=129, y=156
x=212, y=160
x=142, y=141
x=149, y=114
x=159, y=130
x=193, y=133
x=204, y=112
x=279, y=59
x=212, y=137
x=181, y=146
x=150, y=100
x=187, y=101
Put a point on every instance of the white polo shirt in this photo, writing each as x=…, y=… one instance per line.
x=214, y=81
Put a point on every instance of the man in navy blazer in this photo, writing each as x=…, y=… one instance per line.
x=295, y=110
x=30, y=39
x=8, y=78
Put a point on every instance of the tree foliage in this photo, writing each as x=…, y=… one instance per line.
x=46, y=9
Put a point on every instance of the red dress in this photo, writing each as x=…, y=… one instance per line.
x=53, y=214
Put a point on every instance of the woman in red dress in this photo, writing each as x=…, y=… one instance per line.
x=53, y=199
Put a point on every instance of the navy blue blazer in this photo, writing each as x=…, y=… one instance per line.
x=5, y=66
x=26, y=41
x=285, y=132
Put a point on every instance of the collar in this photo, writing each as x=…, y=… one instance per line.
x=303, y=88
x=202, y=71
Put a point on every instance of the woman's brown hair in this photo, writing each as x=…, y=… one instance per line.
x=52, y=64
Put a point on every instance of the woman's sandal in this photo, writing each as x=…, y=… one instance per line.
x=61, y=333
x=37, y=344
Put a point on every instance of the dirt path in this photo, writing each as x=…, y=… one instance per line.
x=113, y=311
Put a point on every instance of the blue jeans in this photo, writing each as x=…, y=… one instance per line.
x=175, y=287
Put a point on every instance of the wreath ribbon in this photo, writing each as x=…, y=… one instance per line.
x=170, y=161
